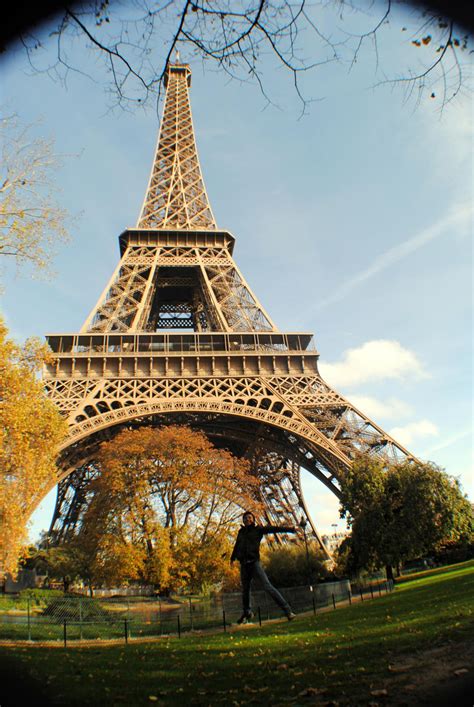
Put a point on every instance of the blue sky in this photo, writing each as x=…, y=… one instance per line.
x=353, y=222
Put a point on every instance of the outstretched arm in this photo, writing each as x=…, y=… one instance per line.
x=278, y=529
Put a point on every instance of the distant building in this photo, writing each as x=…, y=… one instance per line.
x=332, y=541
x=25, y=579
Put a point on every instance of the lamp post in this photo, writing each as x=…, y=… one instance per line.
x=303, y=523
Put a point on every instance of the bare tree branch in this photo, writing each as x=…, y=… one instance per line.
x=240, y=37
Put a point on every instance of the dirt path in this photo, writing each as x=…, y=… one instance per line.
x=440, y=676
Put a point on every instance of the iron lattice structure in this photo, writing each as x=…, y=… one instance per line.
x=179, y=336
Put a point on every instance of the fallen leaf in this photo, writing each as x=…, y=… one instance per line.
x=461, y=671
x=310, y=691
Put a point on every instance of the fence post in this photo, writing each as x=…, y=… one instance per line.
x=190, y=614
x=179, y=627
x=259, y=616
x=371, y=591
x=223, y=621
x=361, y=594
x=29, y=618
x=125, y=626
x=65, y=633
x=380, y=590
x=80, y=618
x=266, y=605
x=333, y=601
x=314, y=604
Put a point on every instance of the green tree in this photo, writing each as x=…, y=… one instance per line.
x=31, y=429
x=289, y=566
x=400, y=511
x=61, y=563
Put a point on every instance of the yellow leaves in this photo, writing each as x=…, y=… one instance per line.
x=169, y=492
x=31, y=431
x=425, y=41
x=31, y=222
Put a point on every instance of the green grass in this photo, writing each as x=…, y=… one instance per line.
x=345, y=653
x=35, y=599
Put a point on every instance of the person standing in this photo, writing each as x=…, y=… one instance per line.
x=247, y=552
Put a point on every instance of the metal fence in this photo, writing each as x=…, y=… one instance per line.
x=68, y=619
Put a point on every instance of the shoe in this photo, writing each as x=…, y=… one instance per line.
x=290, y=615
x=245, y=618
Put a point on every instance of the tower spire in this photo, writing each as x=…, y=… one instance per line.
x=176, y=197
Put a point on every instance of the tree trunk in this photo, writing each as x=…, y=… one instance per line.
x=390, y=575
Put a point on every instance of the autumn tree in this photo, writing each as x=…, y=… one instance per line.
x=133, y=43
x=400, y=511
x=32, y=224
x=163, y=505
x=31, y=430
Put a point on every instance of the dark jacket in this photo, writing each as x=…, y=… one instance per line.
x=247, y=545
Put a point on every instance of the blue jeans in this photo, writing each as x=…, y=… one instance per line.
x=250, y=571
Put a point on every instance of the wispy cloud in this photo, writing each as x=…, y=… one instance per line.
x=459, y=217
x=375, y=360
x=448, y=441
x=381, y=409
x=414, y=430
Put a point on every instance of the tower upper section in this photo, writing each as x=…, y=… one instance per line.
x=176, y=197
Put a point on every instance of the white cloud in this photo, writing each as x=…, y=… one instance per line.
x=374, y=360
x=376, y=409
x=458, y=220
x=407, y=434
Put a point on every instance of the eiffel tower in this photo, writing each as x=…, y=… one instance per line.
x=178, y=336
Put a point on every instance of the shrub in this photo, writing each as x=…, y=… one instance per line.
x=289, y=566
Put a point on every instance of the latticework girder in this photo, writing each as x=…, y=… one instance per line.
x=208, y=280
x=176, y=196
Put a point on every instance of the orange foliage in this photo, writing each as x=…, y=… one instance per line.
x=31, y=430
x=171, y=493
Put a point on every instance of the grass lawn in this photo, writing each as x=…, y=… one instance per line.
x=350, y=656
